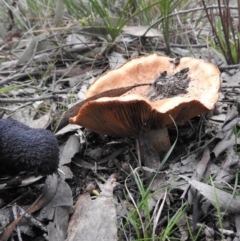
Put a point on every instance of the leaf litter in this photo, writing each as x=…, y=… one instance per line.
x=99, y=214
x=202, y=169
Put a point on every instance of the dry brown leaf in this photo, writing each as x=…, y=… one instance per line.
x=226, y=201
x=227, y=171
x=202, y=164
x=223, y=145
x=78, y=42
x=237, y=223
x=58, y=228
x=68, y=128
x=115, y=60
x=24, y=182
x=42, y=122
x=71, y=147
x=95, y=219
x=25, y=115
x=232, y=113
x=183, y=229
x=229, y=80
x=62, y=197
x=141, y=30
x=37, y=43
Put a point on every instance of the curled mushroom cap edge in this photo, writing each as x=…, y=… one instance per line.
x=133, y=113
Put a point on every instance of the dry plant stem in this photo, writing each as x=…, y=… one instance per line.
x=155, y=223
x=226, y=25
x=14, y=77
x=227, y=40
x=14, y=208
x=184, y=12
x=159, y=139
x=202, y=45
x=232, y=66
x=33, y=220
x=138, y=152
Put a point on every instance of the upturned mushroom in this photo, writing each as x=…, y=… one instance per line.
x=166, y=90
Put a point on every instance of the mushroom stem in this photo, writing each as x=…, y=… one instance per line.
x=159, y=139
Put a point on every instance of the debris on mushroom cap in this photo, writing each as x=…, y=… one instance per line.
x=141, y=109
x=27, y=149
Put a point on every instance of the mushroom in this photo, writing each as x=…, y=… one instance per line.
x=27, y=149
x=166, y=90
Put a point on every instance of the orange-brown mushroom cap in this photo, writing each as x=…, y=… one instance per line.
x=134, y=112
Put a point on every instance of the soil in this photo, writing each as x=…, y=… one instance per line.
x=166, y=86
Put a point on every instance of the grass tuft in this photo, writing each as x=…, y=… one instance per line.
x=226, y=31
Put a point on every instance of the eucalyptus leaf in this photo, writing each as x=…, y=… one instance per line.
x=38, y=43
x=226, y=201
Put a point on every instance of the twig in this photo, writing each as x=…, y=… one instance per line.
x=14, y=209
x=14, y=77
x=155, y=222
x=230, y=86
x=23, y=100
x=186, y=46
x=233, y=66
x=33, y=220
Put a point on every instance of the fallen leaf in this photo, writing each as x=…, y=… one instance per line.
x=68, y=128
x=62, y=197
x=115, y=60
x=42, y=122
x=226, y=201
x=24, y=182
x=141, y=30
x=95, y=219
x=36, y=44
x=71, y=147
